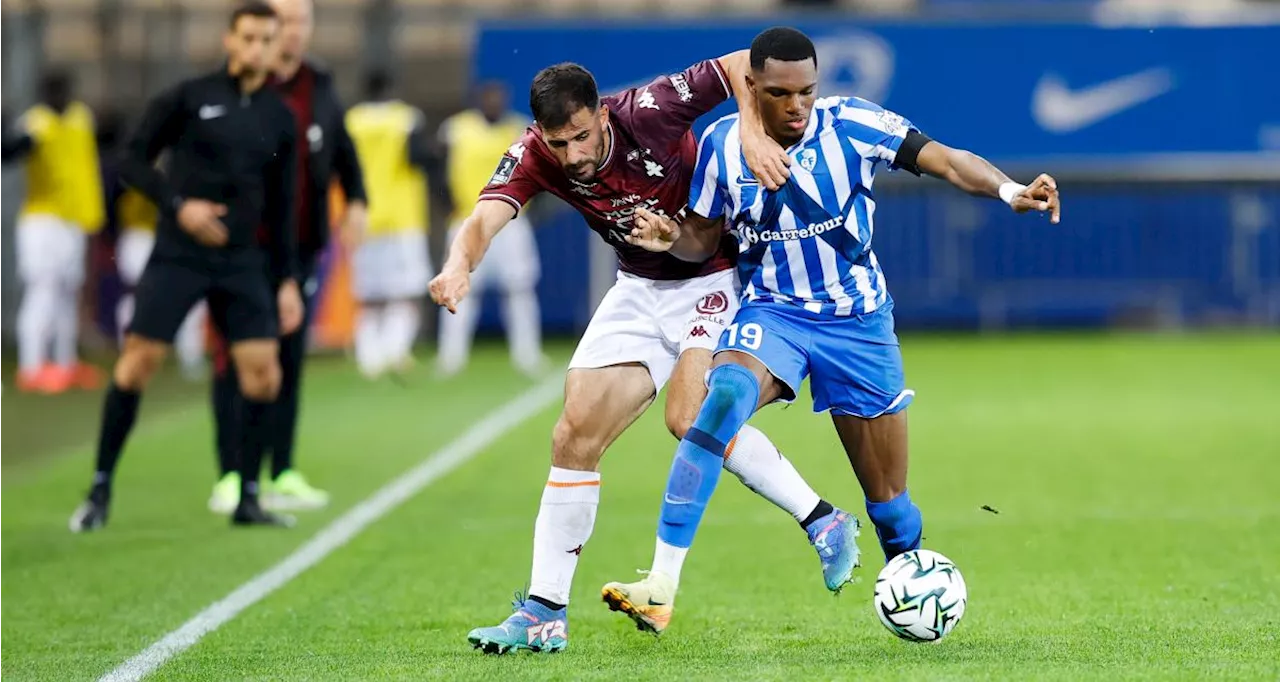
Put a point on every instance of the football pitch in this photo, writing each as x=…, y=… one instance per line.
x=1113, y=502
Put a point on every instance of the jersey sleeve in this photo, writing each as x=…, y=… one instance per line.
x=708, y=188
x=668, y=106
x=518, y=177
x=876, y=132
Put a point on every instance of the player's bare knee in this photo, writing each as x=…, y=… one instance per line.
x=260, y=381
x=138, y=363
x=679, y=421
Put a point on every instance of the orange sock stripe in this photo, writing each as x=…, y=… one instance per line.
x=573, y=484
x=728, y=452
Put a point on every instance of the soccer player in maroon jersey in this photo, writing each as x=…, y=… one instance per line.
x=608, y=157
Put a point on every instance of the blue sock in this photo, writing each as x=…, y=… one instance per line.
x=732, y=394
x=898, y=524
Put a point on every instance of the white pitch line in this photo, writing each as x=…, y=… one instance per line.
x=481, y=434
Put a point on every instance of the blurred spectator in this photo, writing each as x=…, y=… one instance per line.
x=62, y=208
x=391, y=266
x=475, y=141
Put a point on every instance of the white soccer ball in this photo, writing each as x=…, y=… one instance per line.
x=920, y=596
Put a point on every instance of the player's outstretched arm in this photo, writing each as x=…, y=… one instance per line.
x=468, y=248
x=692, y=239
x=977, y=176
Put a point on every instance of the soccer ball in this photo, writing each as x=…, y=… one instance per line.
x=920, y=596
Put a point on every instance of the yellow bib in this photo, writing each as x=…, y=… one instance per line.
x=134, y=210
x=63, y=177
x=397, y=189
x=475, y=147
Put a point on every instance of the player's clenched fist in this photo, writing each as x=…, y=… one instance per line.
x=1041, y=195
x=653, y=231
x=450, y=287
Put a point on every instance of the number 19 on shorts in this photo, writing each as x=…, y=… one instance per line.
x=751, y=335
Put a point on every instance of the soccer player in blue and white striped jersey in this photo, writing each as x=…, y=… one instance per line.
x=814, y=300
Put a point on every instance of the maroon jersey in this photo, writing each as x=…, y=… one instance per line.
x=649, y=162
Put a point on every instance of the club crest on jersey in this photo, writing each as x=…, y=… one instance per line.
x=713, y=303
x=808, y=159
x=681, y=84
x=652, y=169
x=646, y=100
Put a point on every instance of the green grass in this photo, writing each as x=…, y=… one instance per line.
x=1137, y=480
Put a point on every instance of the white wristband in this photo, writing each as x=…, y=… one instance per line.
x=1009, y=190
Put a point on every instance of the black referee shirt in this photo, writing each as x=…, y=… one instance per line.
x=227, y=147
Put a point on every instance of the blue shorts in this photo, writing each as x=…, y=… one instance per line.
x=853, y=363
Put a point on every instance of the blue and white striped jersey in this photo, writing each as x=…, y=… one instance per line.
x=809, y=243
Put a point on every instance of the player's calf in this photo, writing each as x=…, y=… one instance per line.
x=877, y=449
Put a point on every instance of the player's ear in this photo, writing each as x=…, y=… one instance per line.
x=604, y=114
x=751, y=84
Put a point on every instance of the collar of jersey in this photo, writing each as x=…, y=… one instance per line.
x=613, y=142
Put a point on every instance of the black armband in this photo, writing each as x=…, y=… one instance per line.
x=909, y=151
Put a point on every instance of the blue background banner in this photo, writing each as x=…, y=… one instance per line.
x=1089, y=103
x=1014, y=92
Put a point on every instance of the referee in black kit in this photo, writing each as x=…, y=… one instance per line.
x=231, y=171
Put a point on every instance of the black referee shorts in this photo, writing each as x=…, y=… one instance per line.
x=242, y=302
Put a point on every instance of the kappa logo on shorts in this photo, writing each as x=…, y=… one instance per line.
x=713, y=303
x=699, y=331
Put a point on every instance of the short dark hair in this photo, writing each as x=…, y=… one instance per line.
x=378, y=84
x=55, y=83
x=559, y=91
x=251, y=8
x=782, y=43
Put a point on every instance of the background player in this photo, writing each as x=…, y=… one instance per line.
x=814, y=298
x=608, y=157
x=472, y=141
x=391, y=265
x=324, y=150
x=138, y=217
x=63, y=206
x=230, y=172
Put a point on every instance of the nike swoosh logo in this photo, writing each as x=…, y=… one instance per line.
x=1059, y=109
x=675, y=500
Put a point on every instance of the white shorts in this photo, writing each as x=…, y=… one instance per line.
x=391, y=267
x=511, y=262
x=652, y=322
x=133, y=250
x=51, y=251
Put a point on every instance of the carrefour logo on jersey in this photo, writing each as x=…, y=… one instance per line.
x=749, y=236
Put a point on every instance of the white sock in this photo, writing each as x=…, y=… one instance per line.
x=66, y=329
x=760, y=467
x=400, y=322
x=524, y=329
x=565, y=520
x=456, y=332
x=189, y=344
x=370, y=358
x=669, y=559
x=36, y=321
